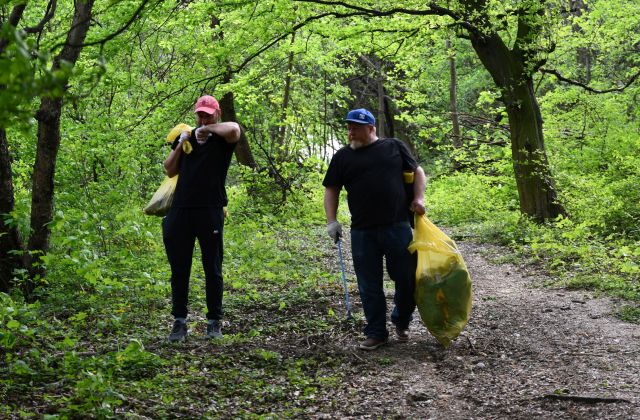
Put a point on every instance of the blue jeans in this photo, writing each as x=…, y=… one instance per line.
x=368, y=247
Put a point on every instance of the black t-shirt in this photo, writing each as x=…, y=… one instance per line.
x=372, y=176
x=203, y=173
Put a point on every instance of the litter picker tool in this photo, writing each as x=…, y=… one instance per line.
x=344, y=281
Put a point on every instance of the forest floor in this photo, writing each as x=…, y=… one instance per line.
x=527, y=352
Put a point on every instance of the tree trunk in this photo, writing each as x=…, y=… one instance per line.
x=48, y=116
x=282, y=130
x=227, y=106
x=453, y=105
x=533, y=177
x=243, y=153
x=382, y=121
x=453, y=98
x=583, y=54
x=10, y=238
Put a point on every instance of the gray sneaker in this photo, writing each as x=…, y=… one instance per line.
x=372, y=343
x=178, y=332
x=214, y=329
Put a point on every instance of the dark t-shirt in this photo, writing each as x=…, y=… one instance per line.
x=372, y=176
x=203, y=173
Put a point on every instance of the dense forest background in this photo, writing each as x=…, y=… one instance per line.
x=523, y=114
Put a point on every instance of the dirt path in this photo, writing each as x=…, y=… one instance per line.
x=523, y=350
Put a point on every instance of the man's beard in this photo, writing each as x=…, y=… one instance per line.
x=355, y=144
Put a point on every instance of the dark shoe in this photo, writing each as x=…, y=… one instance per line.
x=178, y=332
x=402, y=334
x=372, y=343
x=214, y=329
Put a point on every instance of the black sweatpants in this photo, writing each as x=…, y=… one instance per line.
x=180, y=228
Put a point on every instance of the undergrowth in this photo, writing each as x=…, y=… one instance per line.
x=95, y=345
x=589, y=250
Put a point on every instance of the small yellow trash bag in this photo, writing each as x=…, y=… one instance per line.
x=160, y=203
x=443, y=285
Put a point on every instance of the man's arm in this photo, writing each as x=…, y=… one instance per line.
x=229, y=131
x=173, y=160
x=331, y=196
x=419, y=184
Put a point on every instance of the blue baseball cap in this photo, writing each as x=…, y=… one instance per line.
x=360, y=116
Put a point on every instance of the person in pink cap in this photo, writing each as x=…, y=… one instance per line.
x=197, y=211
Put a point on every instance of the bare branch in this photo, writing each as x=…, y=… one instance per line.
x=432, y=10
x=589, y=88
x=48, y=15
x=109, y=37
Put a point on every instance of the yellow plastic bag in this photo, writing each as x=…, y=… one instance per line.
x=443, y=285
x=160, y=203
x=175, y=132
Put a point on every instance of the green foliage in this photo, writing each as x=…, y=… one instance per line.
x=98, y=321
x=94, y=344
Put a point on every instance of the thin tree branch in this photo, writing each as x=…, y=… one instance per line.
x=433, y=10
x=589, y=88
x=109, y=37
x=48, y=15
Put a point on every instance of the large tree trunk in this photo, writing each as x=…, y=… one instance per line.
x=533, y=176
x=48, y=116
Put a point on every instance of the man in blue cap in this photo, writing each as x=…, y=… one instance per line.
x=371, y=170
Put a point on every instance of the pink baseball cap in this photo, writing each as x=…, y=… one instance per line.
x=207, y=104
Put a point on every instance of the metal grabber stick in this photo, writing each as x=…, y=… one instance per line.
x=344, y=281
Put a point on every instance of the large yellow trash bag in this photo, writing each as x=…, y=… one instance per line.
x=160, y=203
x=443, y=285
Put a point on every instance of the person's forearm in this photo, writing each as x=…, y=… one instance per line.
x=331, y=196
x=171, y=164
x=230, y=131
x=419, y=183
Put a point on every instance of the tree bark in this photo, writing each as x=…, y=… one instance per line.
x=10, y=238
x=243, y=153
x=48, y=116
x=382, y=121
x=534, y=181
x=583, y=54
x=282, y=130
x=453, y=98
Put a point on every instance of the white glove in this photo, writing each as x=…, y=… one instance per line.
x=334, y=229
x=184, y=136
